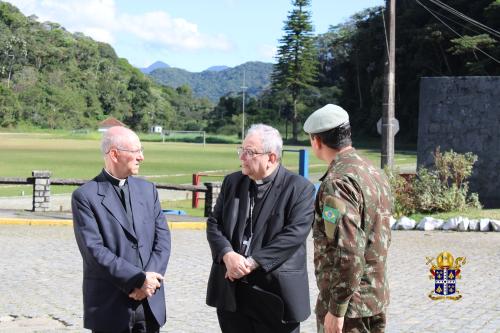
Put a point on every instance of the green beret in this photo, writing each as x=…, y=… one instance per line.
x=326, y=118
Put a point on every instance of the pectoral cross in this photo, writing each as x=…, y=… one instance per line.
x=246, y=244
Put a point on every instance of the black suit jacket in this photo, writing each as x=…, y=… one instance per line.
x=114, y=255
x=278, y=244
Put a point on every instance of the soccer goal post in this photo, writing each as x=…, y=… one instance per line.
x=173, y=133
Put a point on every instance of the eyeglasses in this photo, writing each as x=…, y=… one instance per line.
x=249, y=153
x=137, y=151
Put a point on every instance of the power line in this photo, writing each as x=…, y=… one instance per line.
x=385, y=34
x=457, y=23
x=466, y=18
x=458, y=34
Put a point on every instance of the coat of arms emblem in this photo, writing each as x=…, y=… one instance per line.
x=445, y=270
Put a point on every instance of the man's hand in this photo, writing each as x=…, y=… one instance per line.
x=137, y=294
x=151, y=283
x=235, y=265
x=333, y=324
x=251, y=264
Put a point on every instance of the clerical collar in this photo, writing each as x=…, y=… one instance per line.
x=269, y=178
x=113, y=180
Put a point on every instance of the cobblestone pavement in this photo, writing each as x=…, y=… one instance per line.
x=41, y=282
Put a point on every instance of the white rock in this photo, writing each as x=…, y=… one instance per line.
x=452, y=223
x=473, y=225
x=438, y=224
x=404, y=223
x=495, y=225
x=463, y=225
x=484, y=224
x=458, y=223
x=392, y=221
x=429, y=223
x=425, y=224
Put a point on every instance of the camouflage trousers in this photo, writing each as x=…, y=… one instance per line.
x=373, y=324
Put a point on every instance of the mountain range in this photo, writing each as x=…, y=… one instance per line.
x=161, y=64
x=153, y=66
x=217, y=81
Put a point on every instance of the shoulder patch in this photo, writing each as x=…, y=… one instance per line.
x=330, y=214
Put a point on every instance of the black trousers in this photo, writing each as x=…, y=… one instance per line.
x=238, y=322
x=141, y=321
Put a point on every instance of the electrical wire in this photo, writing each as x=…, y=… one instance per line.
x=386, y=38
x=458, y=34
x=466, y=18
x=443, y=16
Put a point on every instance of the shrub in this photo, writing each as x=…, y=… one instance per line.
x=402, y=190
x=443, y=188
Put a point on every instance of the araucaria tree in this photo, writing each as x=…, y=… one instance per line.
x=296, y=69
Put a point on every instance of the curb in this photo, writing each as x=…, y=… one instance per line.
x=187, y=225
x=64, y=223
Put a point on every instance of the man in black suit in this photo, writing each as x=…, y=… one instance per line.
x=124, y=242
x=257, y=235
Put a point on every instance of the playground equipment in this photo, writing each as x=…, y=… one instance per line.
x=172, y=133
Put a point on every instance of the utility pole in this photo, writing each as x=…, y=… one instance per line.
x=243, y=87
x=387, y=158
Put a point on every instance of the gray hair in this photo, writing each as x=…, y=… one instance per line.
x=110, y=140
x=269, y=136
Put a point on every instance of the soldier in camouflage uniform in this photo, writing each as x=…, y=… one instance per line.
x=351, y=230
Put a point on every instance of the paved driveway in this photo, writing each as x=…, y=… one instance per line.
x=41, y=282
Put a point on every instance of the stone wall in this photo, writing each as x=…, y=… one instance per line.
x=213, y=191
x=41, y=190
x=463, y=114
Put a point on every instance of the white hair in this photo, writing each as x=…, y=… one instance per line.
x=113, y=140
x=269, y=136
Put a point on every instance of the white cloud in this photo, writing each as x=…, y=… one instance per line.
x=267, y=51
x=95, y=18
x=101, y=20
x=177, y=33
x=101, y=35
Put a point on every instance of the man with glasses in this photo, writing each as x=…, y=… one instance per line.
x=124, y=241
x=257, y=235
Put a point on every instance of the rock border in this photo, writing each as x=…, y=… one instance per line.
x=458, y=223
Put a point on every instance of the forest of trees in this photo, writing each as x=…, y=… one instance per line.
x=50, y=78
x=351, y=56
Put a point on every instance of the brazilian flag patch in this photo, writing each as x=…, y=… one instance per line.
x=330, y=214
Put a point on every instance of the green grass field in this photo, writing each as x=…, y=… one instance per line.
x=169, y=162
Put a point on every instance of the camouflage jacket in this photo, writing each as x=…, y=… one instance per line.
x=351, y=237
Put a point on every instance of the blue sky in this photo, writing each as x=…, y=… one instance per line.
x=189, y=34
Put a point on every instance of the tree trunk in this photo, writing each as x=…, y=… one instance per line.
x=359, y=82
x=295, y=122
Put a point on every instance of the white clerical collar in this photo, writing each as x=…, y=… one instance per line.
x=121, y=182
x=268, y=178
